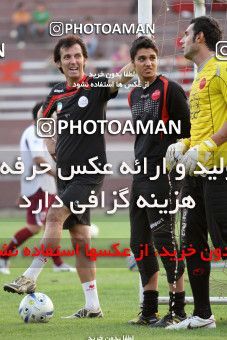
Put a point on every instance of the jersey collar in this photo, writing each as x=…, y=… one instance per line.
x=205, y=62
x=82, y=80
x=146, y=87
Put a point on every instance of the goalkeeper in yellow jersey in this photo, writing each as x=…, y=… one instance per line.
x=207, y=145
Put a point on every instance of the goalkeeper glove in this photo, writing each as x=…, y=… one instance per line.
x=199, y=153
x=175, y=152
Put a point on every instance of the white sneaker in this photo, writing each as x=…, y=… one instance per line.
x=64, y=267
x=20, y=285
x=4, y=266
x=194, y=322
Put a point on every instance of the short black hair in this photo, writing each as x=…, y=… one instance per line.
x=142, y=42
x=210, y=28
x=67, y=42
x=35, y=110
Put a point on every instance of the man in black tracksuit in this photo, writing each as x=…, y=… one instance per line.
x=156, y=99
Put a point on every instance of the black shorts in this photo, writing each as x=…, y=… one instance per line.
x=78, y=191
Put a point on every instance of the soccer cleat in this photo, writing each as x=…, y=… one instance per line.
x=168, y=320
x=20, y=285
x=194, y=322
x=64, y=267
x=85, y=313
x=144, y=321
x=4, y=267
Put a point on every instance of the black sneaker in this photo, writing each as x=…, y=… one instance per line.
x=141, y=320
x=168, y=320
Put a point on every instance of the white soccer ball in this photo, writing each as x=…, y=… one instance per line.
x=94, y=230
x=36, y=307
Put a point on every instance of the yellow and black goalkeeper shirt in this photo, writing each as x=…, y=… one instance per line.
x=208, y=105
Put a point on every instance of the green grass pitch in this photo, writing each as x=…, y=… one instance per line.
x=118, y=293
